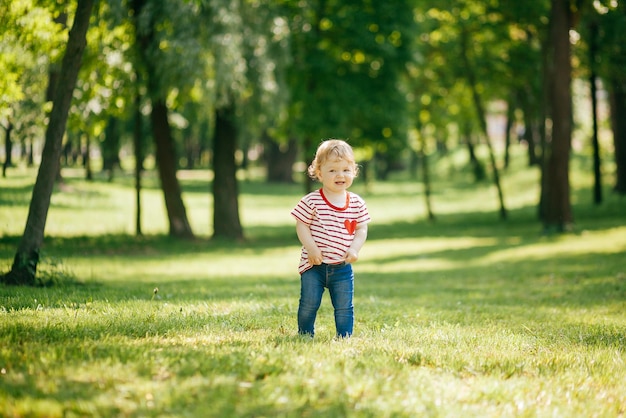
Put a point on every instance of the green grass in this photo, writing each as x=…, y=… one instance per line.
x=467, y=316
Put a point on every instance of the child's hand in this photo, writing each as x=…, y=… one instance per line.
x=315, y=257
x=351, y=256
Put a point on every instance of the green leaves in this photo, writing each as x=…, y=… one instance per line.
x=348, y=62
x=29, y=39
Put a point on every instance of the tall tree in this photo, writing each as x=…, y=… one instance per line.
x=524, y=59
x=24, y=268
x=611, y=63
x=226, y=223
x=280, y=158
x=139, y=157
x=150, y=17
x=8, y=147
x=481, y=114
x=247, y=40
x=555, y=207
x=597, y=172
x=423, y=158
x=478, y=35
x=618, y=108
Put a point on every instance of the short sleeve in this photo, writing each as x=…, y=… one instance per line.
x=304, y=211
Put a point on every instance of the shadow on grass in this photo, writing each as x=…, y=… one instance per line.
x=520, y=230
x=581, y=279
x=16, y=196
x=516, y=293
x=573, y=279
x=67, y=391
x=576, y=280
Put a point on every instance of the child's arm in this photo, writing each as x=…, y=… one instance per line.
x=305, y=237
x=360, y=235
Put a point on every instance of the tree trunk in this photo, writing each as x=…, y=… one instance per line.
x=425, y=176
x=597, y=174
x=26, y=150
x=24, y=268
x=226, y=222
x=510, y=117
x=477, y=167
x=204, y=144
x=618, y=122
x=166, y=162
x=138, y=149
x=190, y=147
x=161, y=130
x=54, y=75
x=280, y=160
x=111, y=147
x=87, y=158
x=8, y=149
x=530, y=133
x=557, y=210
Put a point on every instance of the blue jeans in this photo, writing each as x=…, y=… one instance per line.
x=339, y=279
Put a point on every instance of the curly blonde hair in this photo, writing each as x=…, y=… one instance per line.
x=332, y=149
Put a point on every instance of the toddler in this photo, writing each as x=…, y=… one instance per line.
x=331, y=224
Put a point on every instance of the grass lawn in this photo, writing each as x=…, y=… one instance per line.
x=466, y=316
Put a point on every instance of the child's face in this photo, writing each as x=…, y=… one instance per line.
x=336, y=174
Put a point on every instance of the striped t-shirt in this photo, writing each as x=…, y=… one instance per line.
x=332, y=227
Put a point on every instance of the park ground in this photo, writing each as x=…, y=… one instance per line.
x=468, y=315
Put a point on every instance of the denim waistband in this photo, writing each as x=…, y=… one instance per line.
x=341, y=264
